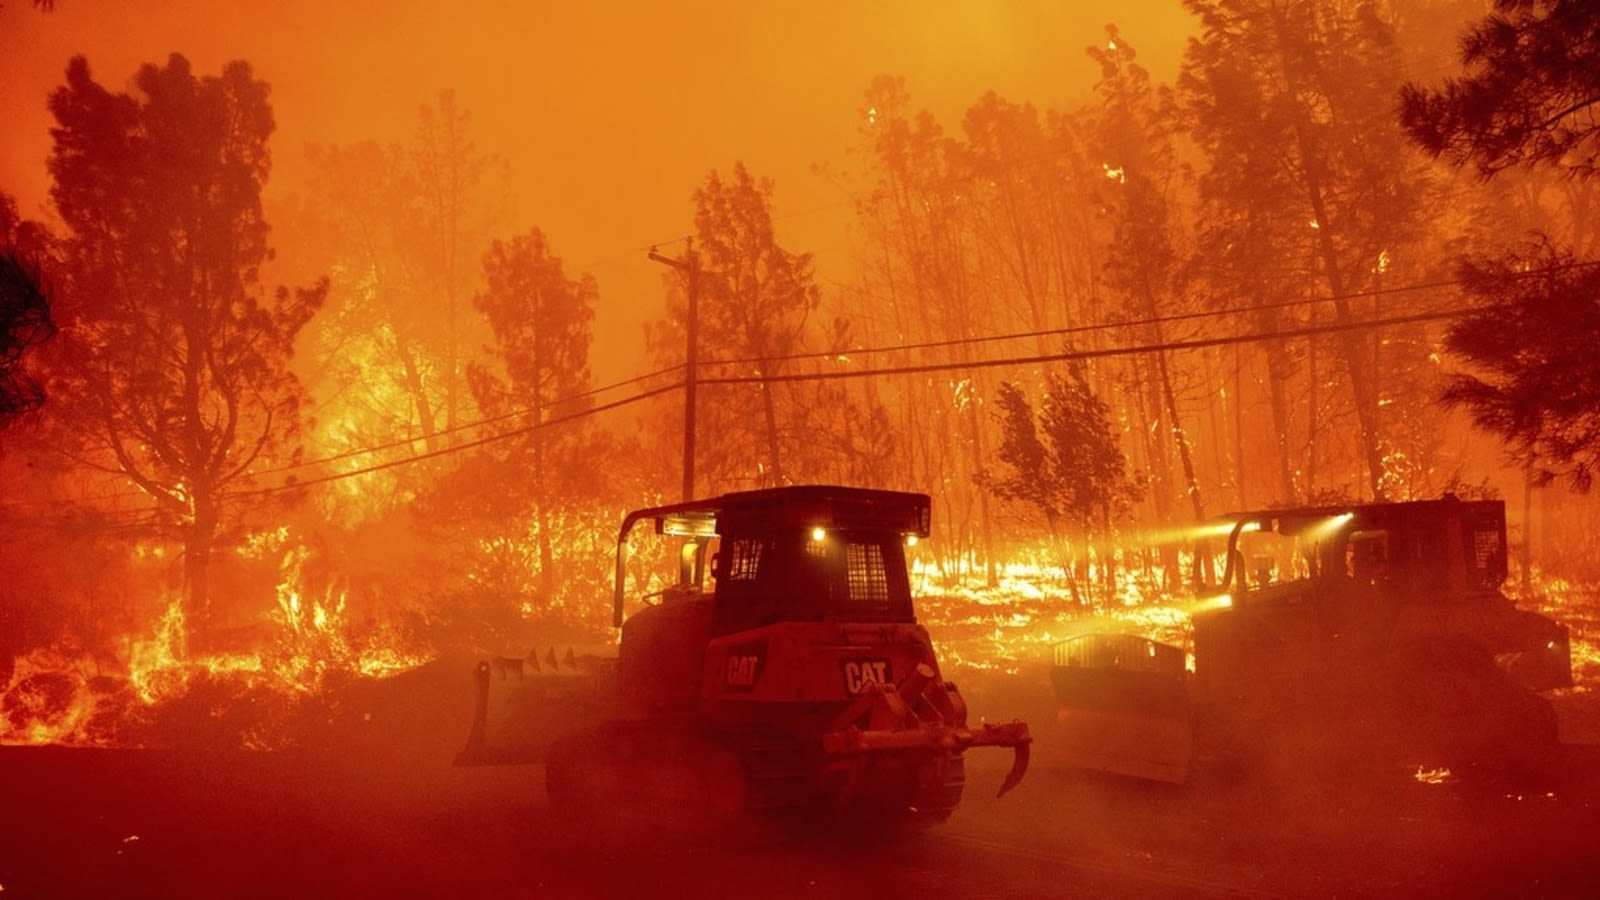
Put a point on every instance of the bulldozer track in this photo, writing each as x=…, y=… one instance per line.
x=1123, y=872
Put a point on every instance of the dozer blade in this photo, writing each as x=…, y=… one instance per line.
x=521, y=706
x=1124, y=707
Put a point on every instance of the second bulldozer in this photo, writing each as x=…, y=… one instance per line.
x=1359, y=635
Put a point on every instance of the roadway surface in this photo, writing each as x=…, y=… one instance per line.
x=145, y=824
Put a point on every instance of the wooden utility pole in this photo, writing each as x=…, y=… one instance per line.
x=688, y=266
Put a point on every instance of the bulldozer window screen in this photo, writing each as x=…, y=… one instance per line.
x=848, y=577
x=1271, y=558
x=868, y=577
x=1489, y=560
x=744, y=560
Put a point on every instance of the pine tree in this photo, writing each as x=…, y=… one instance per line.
x=178, y=372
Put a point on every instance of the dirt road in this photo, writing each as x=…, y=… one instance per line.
x=142, y=824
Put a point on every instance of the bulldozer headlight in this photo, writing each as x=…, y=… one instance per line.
x=911, y=540
x=818, y=533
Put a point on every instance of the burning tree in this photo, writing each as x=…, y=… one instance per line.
x=754, y=299
x=397, y=226
x=916, y=210
x=1143, y=257
x=542, y=322
x=176, y=358
x=1306, y=170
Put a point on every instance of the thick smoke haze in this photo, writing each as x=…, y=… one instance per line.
x=607, y=114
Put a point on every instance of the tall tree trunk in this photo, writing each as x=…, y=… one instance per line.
x=541, y=495
x=771, y=416
x=1216, y=388
x=1527, y=532
x=975, y=464
x=1279, y=370
x=1238, y=426
x=199, y=535
x=1311, y=166
x=1156, y=434
x=1180, y=438
x=1313, y=418
x=418, y=391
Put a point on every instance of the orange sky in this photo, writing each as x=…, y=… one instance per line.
x=608, y=113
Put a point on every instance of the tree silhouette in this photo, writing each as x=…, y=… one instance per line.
x=179, y=381
x=1529, y=97
x=1307, y=169
x=1134, y=132
x=1535, y=381
x=1066, y=462
x=755, y=297
x=543, y=326
x=25, y=318
x=1528, y=105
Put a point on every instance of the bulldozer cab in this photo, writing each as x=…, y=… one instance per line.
x=800, y=554
x=1417, y=552
x=762, y=579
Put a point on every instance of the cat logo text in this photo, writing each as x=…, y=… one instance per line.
x=860, y=673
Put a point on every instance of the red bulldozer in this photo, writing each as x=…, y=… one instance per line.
x=798, y=681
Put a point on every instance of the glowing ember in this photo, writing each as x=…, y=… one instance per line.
x=1433, y=776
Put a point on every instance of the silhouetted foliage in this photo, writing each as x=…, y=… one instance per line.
x=1538, y=385
x=1528, y=103
x=1067, y=464
x=543, y=325
x=179, y=381
x=1529, y=97
x=754, y=299
x=25, y=317
x=1134, y=131
x=1307, y=170
x=24, y=322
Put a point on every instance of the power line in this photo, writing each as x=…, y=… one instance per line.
x=1077, y=329
x=1170, y=346
x=466, y=426
x=456, y=448
x=1085, y=329
x=1309, y=331
x=1134, y=323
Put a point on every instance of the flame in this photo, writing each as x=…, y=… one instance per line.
x=75, y=700
x=1577, y=607
x=1003, y=628
x=1438, y=775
